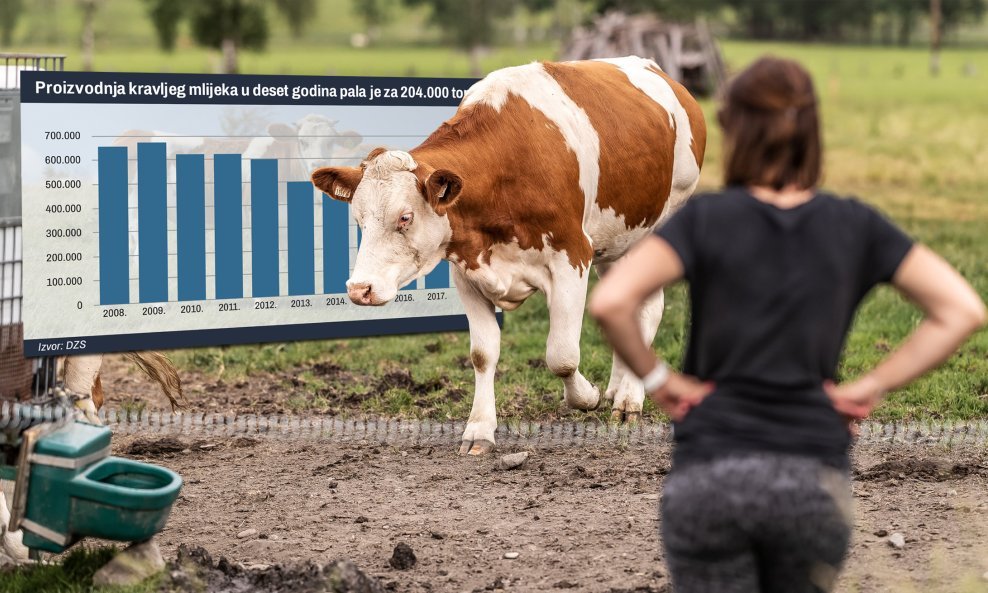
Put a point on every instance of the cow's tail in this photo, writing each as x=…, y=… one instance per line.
x=158, y=367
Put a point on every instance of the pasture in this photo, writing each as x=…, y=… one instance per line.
x=915, y=146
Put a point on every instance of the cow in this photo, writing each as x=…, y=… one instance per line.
x=543, y=170
x=313, y=141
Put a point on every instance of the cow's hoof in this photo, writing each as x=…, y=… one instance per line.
x=582, y=395
x=622, y=417
x=478, y=447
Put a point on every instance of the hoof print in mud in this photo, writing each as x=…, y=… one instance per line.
x=193, y=571
x=403, y=557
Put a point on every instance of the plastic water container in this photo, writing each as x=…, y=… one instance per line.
x=76, y=490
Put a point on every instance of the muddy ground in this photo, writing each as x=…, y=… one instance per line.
x=580, y=518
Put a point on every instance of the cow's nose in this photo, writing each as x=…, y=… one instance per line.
x=360, y=293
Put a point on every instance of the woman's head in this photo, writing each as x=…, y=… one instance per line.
x=771, y=127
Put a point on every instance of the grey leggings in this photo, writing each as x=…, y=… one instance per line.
x=756, y=523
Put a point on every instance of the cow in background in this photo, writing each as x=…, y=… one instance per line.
x=311, y=142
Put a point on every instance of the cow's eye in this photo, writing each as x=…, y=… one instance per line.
x=404, y=220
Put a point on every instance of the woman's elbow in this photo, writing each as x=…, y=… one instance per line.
x=969, y=317
x=604, y=307
x=978, y=315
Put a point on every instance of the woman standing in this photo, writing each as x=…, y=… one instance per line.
x=759, y=495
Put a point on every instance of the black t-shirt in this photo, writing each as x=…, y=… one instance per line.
x=773, y=294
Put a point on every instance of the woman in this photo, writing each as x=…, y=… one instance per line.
x=759, y=495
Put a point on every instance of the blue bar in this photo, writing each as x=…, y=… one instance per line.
x=301, y=239
x=439, y=276
x=190, y=197
x=264, y=227
x=335, y=245
x=114, y=247
x=152, y=221
x=228, y=221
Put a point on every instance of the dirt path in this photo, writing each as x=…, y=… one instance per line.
x=580, y=518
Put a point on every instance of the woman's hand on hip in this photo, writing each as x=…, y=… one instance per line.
x=680, y=394
x=856, y=399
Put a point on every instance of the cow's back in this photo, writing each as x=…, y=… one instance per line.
x=652, y=140
x=638, y=137
x=583, y=157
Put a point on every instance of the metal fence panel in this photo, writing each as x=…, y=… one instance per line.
x=10, y=156
x=19, y=377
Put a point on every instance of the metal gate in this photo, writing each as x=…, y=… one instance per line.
x=20, y=378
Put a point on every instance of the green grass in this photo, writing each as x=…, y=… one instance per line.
x=74, y=574
x=914, y=145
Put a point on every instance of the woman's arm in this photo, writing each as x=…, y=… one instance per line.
x=620, y=294
x=953, y=311
x=615, y=304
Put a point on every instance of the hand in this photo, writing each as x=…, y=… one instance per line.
x=855, y=400
x=680, y=394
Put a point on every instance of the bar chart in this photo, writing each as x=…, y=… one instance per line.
x=228, y=226
x=140, y=233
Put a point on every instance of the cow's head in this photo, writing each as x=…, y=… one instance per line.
x=319, y=142
x=400, y=207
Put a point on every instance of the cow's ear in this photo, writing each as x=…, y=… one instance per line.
x=351, y=139
x=282, y=130
x=338, y=183
x=442, y=188
x=374, y=153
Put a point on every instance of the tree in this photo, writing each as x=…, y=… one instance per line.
x=229, y=26
x=956, y=12
x=375, y=14
x=226, y=25
x=470, y=24
x=667, y=9
x=165, y=16
x=87, y=38
x=297, y=13
x=10, y=12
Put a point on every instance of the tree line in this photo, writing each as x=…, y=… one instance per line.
x=871, y=21
x=232, y=25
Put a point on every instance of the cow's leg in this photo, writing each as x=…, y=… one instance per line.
x=618, y=368
x=12, y=551
x=485, y=349
x=567, y=297
x=81, y=376
x=624, y=387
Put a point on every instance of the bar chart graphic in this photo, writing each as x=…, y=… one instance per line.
x=170, y=224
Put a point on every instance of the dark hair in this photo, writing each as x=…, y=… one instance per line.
x=771, y=127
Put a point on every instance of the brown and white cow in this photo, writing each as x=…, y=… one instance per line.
x=543, y=170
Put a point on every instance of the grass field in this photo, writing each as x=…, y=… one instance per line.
x=915, y=146
x=74, y=574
